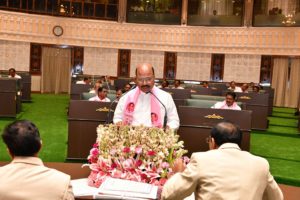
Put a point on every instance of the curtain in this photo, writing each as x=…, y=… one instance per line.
x=223, y=7
x=56, y=70
x=293, y=90
x=279, y=80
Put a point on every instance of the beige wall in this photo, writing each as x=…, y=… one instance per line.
x=14, y=54
x=242, y=68
x=156, y=58
x=100, y=61
x=193, y=66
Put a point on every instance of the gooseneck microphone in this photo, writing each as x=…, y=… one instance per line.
x=108, y=120
x=166, y=116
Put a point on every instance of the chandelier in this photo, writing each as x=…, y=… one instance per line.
x=289, y=20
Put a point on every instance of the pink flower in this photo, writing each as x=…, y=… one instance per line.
x=151, y=153
x=113, y=152
x=165, y=165
x=95, y=145
x=128, y=163
x=126, y=149
x=94, y=152
x=138, y=150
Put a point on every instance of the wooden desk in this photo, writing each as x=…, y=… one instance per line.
x=196, y=124
x=84, y=117
x=26, y=86
x=259, y=104
x=9, y=100
x=179, y=93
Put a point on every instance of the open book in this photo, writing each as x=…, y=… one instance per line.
x=113, y=188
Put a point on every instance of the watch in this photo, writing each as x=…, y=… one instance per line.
x=58, y=30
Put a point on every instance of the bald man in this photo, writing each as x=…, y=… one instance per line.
x=223, y=172
x=144, y=103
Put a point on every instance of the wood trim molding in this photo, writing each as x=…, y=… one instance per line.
x=96, y=33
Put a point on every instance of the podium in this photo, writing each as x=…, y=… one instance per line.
x=196, y=125
x=26, y=87
x=10, y=103
x=259, y=104
x=77, y=89
x=83, y=119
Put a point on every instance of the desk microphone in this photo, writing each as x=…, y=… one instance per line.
x=166, y=116
x=112, y=103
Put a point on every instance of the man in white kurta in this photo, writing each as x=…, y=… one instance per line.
x=101, y=96
x=142, y=110
x=229, y=103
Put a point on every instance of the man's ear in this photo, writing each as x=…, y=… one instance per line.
x=213, y=144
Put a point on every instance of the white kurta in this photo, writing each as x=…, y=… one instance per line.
x=223, y=105
x=96, y=98
x=142, y=109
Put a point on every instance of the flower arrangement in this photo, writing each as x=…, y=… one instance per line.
x=139, y=153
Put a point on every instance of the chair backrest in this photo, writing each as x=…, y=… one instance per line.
x=111, y=96
x=87, y=96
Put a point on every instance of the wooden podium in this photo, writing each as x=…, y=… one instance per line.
x=26, y=87
x=83, y=119
x=259, y=104
x=196, y=124
x=10, y=102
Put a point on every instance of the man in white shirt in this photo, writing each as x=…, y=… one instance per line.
x=234, y=88
x=229, y=102
x=26, y=177
x=177, y=85
x=12, y=74
x=143, y=102
x=102, y=95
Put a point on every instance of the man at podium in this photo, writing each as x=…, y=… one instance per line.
x=138, y=105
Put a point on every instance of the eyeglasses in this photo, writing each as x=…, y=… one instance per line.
x=146, y=79
x=208, y=139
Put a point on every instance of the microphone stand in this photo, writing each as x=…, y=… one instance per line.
x=166, y=116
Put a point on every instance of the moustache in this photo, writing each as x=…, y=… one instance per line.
x=146, y=86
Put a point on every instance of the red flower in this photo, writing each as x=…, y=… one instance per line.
x=151, y=153
x=138, y=163
x=126, y=149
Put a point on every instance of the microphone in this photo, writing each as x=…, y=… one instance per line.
x=166, y=116
x=112, y=103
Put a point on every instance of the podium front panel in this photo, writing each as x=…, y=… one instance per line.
x=8, y=97
x=196, y=124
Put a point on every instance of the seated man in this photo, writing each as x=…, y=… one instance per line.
x=234, y=88
x=85, y=80
x=205, y=84
x=164, y=84
x=228, y=103
x=12, y=74
x=101, y=95
x=177, y=85
x=95, y=88
x=119, y=93
x=26, y=177
x=137, y=106
x=223, y=172
x=245, y=88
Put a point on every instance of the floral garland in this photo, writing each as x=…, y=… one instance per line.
x=139, y=153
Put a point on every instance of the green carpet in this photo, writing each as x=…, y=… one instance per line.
x=280, y=144
x=49, y=113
